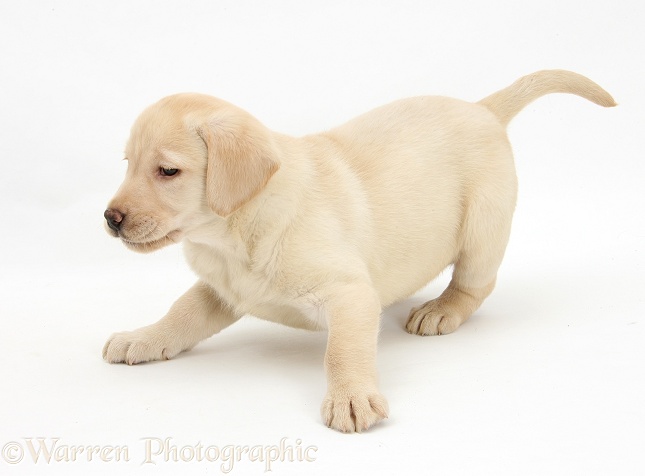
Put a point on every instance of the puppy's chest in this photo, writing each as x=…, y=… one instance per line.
x=252, y=291
x=232, y=277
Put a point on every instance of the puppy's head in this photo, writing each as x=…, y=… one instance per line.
x=191, y=159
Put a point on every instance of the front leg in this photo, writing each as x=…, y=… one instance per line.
x=195, y=316
x=353, y=402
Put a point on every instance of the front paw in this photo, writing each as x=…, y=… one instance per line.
x=142, y=345
x=353, y=409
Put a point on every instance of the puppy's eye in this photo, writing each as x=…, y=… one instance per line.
x=168, y=172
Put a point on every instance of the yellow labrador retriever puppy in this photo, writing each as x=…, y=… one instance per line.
x=323, y=231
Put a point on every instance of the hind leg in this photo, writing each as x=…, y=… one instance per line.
x=485, y=234
x=446, y=313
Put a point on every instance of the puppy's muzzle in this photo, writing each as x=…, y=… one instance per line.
x=114, y=219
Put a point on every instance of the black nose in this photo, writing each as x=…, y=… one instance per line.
x=114, y=218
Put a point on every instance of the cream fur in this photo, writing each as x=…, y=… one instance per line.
x=323, y=231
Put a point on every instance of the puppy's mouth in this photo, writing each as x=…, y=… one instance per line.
x=147, y=246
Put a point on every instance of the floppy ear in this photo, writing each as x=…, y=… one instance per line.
x=241, y=160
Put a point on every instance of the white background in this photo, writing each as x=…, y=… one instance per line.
x=546, y=378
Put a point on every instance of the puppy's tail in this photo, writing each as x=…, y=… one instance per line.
x=505, y=104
